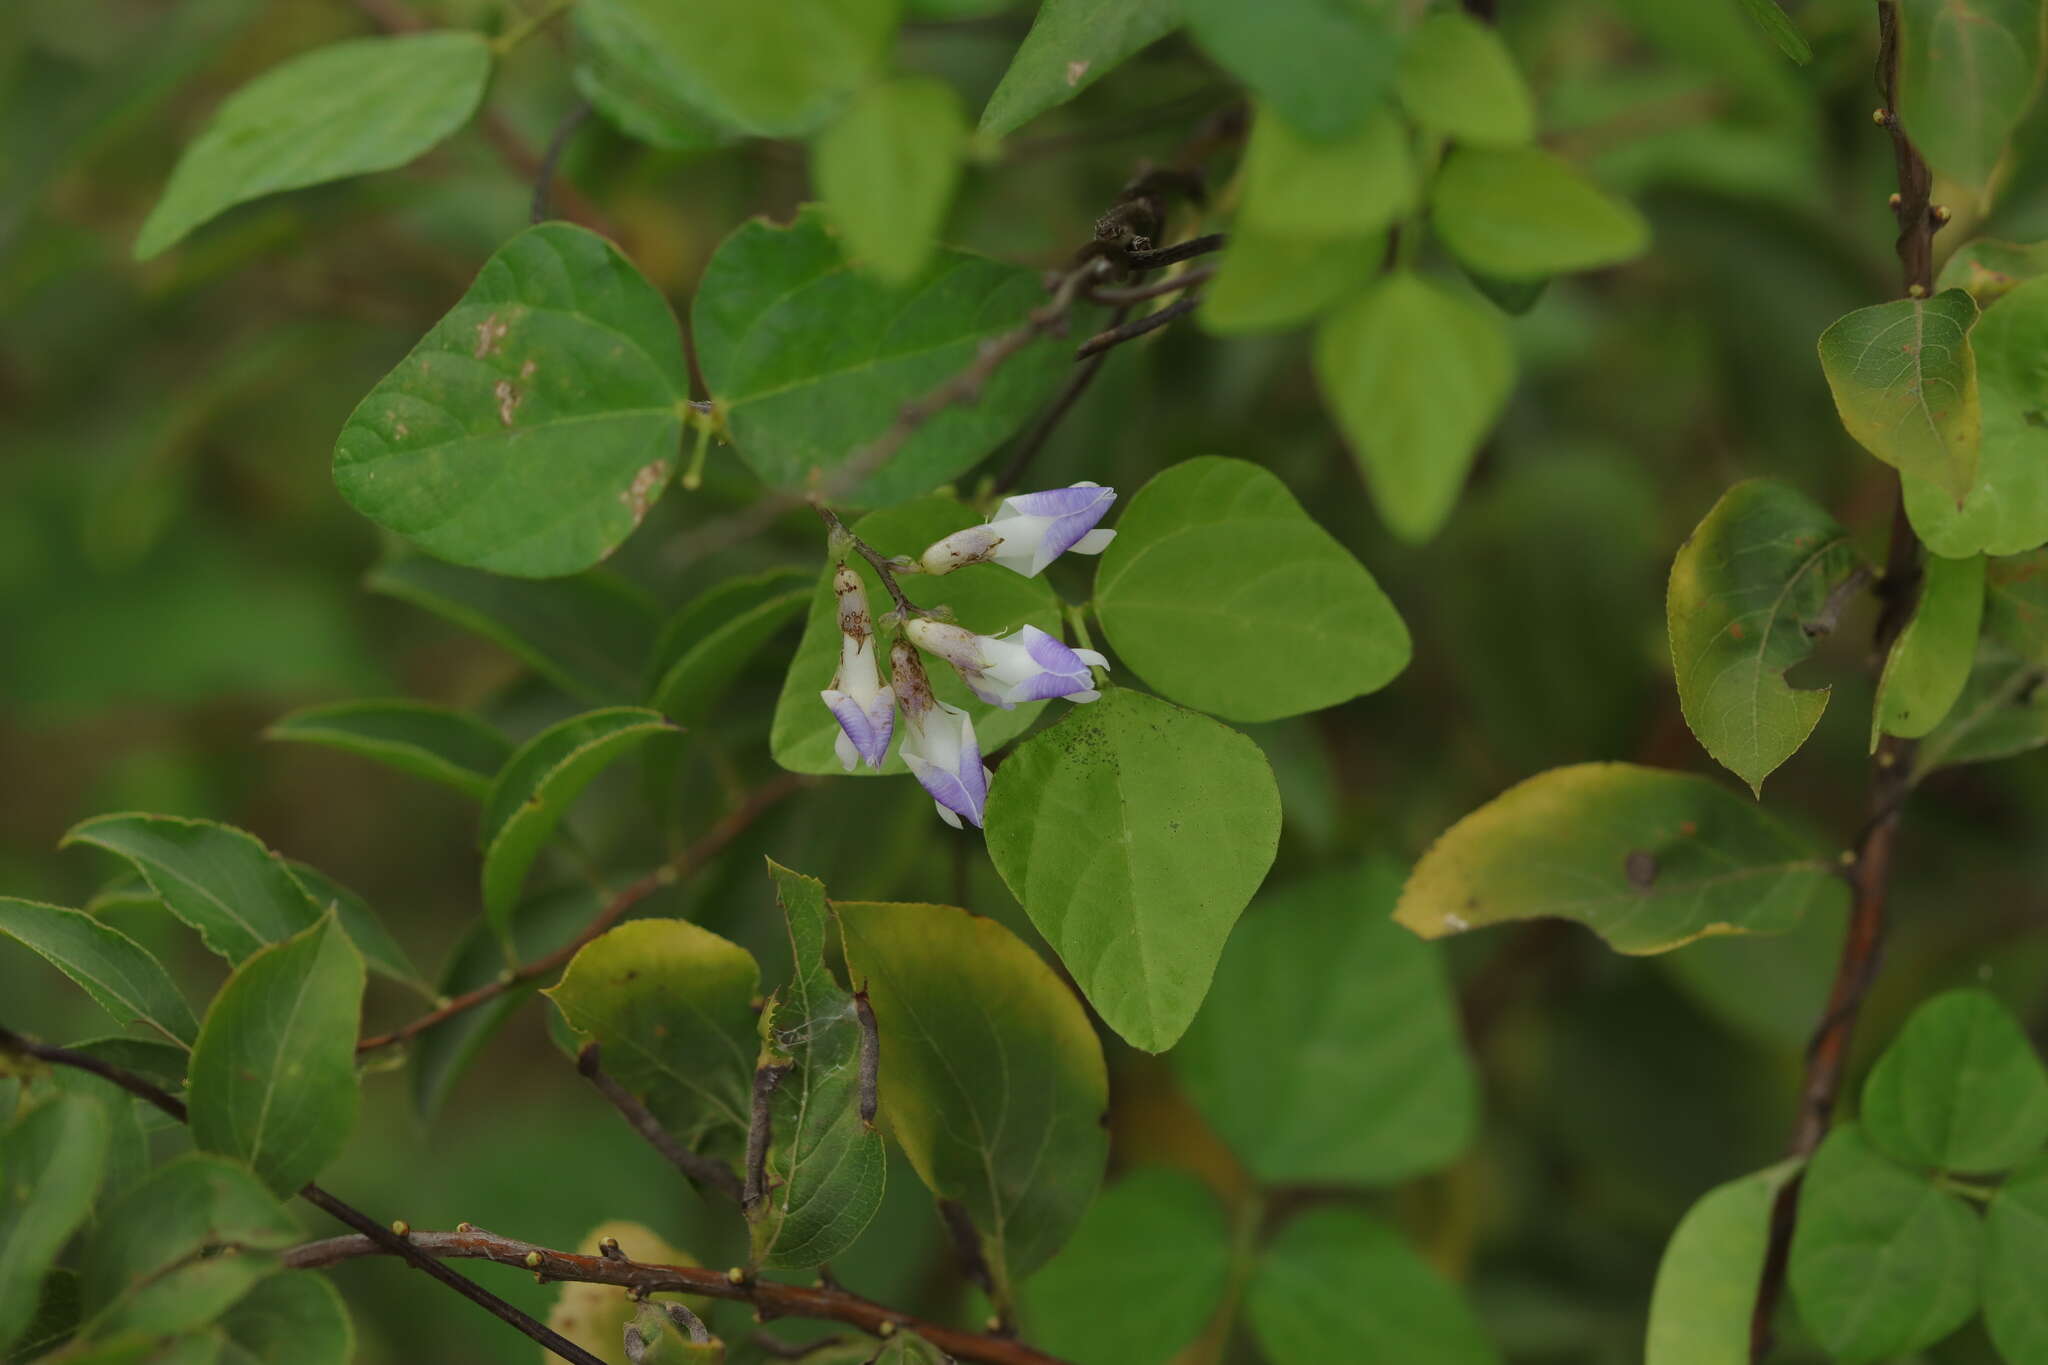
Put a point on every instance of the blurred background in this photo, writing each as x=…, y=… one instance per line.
x=176, y=571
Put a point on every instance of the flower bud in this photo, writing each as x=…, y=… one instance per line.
x=1003, y=671
x=939, y=746
x=1029, y=531
x=864, y=707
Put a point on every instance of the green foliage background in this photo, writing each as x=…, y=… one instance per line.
x=176, y=570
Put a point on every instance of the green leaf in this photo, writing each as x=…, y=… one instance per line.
x=1337, y=1285
x=2015, y=1249
x=355, y=107
x=222, y=881
x=1324, y=65
x=1522, y=213
x=290, y=1319
x=2006, y=510
x=1780, y=29
x=183, y=1246
x=778, y=71
x=886, y=170
x=800, y=398
x=1266, y=283
x=1329, y=1051
x=1416, y=376
x=1222, y=592
x=1748, y=595
x=50, y=1164
x=1883, y=1261
x=1647, y=859
x=1073, y=44
x=984, y=597
x=992, y=1080
x=537, y=786
x=2003, y=711
x=1297, y=188
x=1905, y=384
x=908, y=1348
x=1706, y=1287
x=273, y=1077
x=1929, y=663
x=704, y=648
x=671, y=1005
x=381, y=952
x=2016, y=604
x=827, y=1165
x=541, y=924
x=438, y=743
x=1959, y=1089
x=115, y=970
x=1967, y=70
x=626, y=79
x=1133, y=833
x=586, y=634
x=531, y=429
x=1990, y=269
x=1141, y=1278
x=1458, y=80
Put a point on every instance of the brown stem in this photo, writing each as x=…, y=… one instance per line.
x=370, y=1232
x=701, y=1169
x=1891, y=773
x=1172, y=284
x=1151, y=322
x=671, y=873
x=770, y=1299
x=544, y=178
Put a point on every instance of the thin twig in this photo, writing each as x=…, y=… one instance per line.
x=1184, y=251
x=544, y=180
x=883, y=566
x=1042, y=426
x=1891, y=773
x=769, y=1298
x=1172, y=284
x=672, y=873
x=701, y=1169
x=1129, y=331
x=1829, y=616
x=370, y=1232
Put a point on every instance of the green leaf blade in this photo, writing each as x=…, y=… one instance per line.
x=1458, y=79
x=273, y=1078
x=222, y=881
x=1309, y=629
x=1707, y=1281
x=800, y=398
x=1883, y=1261
x=438, y=743
x=1323, y=64
x=1181, y=819
x=1337, y=1285
x=1960, y=1089
x=539, y=783
x=370, y=104
x=1416, y=376
x=886, y=170
x=1649, y=860
x=1524, y=214
x=1141, y=1277
x=992, y=1080
x=1929, y=664
x=1329, y=1050
x=291, y=1319
x=1073, y=44
x=51, y=1160
x=705, y=648
x=116, y=971
x=531, y=429
x=1967, y=70
x=2015, y=1247
x=1904, y=378
x=1346, y=188
x=1748, y=594
x=671, y=1005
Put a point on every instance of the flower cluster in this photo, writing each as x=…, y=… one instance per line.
x=939, y=745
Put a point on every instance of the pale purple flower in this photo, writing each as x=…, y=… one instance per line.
x=1005, y=670
x=1030, y=531
x=938, y=743
x=863, y=705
